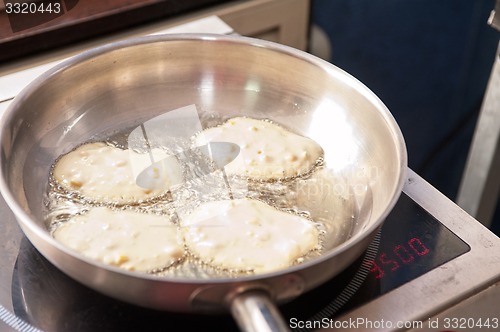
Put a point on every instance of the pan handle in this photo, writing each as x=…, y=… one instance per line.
x=254, y=311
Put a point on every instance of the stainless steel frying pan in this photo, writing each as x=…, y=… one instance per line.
x=127, y=83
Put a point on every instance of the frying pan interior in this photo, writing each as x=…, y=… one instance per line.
x=122, y=85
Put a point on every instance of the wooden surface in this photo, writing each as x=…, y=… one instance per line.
x=24, y=34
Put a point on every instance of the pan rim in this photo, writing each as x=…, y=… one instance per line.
x=37, y=230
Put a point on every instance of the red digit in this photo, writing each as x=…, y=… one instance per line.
x=403, y=254
x=375, y=268
x=421, y=250
x=383, y=259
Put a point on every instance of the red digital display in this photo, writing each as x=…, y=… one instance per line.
x=400, y=255
x=411, y=243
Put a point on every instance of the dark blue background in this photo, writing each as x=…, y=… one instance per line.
x=429, y=61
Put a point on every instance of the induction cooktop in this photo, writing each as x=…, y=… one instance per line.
x=421, y=262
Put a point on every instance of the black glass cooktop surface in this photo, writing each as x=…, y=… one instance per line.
x=410, y=244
